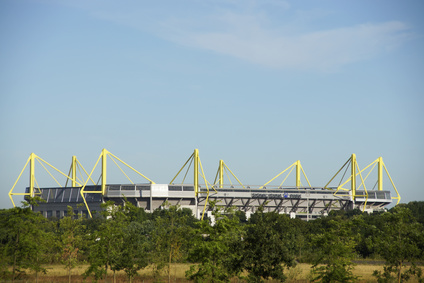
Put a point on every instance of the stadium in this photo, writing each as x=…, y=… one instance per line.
x=85, y=196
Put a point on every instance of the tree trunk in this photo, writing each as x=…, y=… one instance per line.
x=106, y=272
x=14, y=266
x=170, y=254
x=169, y=265
x=400, y=273
x=36, y=271
x=14, y=258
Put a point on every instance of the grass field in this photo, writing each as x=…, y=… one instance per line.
x=300, y=273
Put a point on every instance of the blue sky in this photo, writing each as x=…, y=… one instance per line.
x=259, y=84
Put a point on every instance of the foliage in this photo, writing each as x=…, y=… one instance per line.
x=390, y=274
x=125, y=237
x=134, y=253
x=121, y=241
x=70, y=240
x=416, y=208
x=398, y=242
x=107, y=242
x=367, y=227
x=171, y=236
x=335, y=252
x=23, y=240
x=217, y=248
x=270, y=243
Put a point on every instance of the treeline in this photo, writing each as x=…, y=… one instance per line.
x=126, y=238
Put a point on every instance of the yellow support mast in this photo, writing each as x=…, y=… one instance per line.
x=32, y=180
x=32, y=174
x=195, y=159
x=221, y=174
x=103, y=156
x=355, y=171
x=104, y=169
x=298, y=166
x=380, y=173
x=299, y=169
x=223, y=168
x=353, y=175
x=196, y=171
x=72, y=175
x=74, y=171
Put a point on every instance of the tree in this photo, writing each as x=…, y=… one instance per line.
x=43, y=236
x=270, y=243
x=416, y=208
x=23, y=239
x=217, y=248
x=107, y=242
x=366, y=226
x=170, y=235
x=134, y=253
x=335, y=249
x=70, y=239
x=399, y=242
x=121, y=241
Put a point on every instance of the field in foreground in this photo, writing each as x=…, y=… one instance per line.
x=301, y=273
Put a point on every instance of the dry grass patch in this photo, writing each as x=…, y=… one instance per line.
x=57, y=273
x=364, y=271
x=300, y=273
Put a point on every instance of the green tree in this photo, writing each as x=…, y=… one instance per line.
x=270, y=242
x=23, y=240
x=170, y=235
x=71, y=240
x=366, y=226
x=135, y=250
x=399, y=242
x=416, y=208
x=335, y=250
x=43, y=236
x=217, y=248
x=107, y=242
